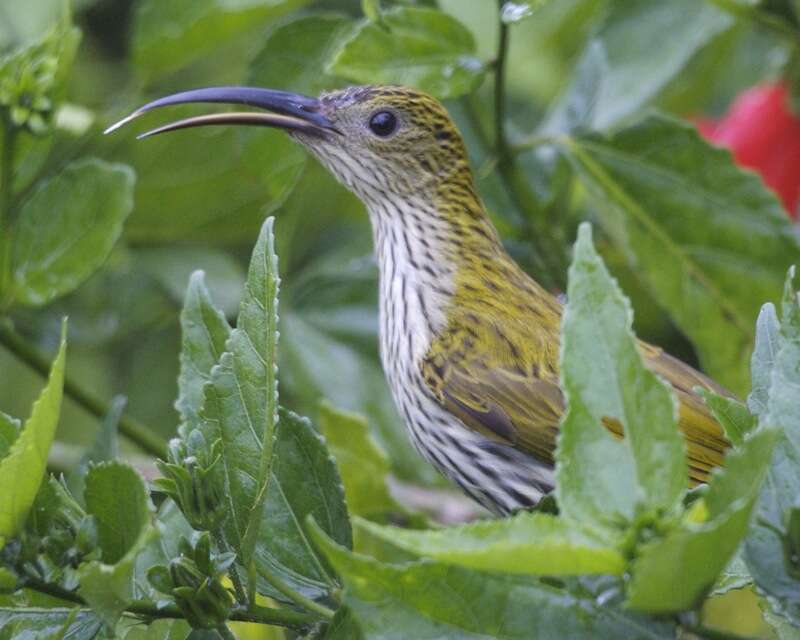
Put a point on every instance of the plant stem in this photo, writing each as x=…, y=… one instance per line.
x=501, y=144
x=257, y=614
x=294, y=596
x=28, y=353
x=6, y=197
x=273, y=616
x=551, y=266
x=241, y=595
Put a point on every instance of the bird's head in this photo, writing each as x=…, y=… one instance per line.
x=379, y=141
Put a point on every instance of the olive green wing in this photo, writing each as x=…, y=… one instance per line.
x=501, y=404
x=523, y=408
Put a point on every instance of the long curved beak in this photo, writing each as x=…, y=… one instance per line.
x=284, y=110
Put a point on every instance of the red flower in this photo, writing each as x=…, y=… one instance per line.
x=763, y=134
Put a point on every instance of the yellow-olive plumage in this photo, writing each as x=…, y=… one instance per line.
x=469, y=342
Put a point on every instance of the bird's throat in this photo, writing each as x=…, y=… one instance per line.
x=424, y=253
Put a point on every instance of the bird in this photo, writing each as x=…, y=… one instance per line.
x=469, y=342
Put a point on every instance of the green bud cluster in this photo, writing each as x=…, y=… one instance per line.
x=190, y=481
x=58, y=537
x=29, y=79
x=194, y=580
x=24, y=89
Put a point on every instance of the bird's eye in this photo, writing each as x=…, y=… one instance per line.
x=383, y=123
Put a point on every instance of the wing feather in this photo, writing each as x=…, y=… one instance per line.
x=523, y=408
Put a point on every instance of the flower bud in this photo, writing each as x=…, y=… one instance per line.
x=194, y=580
x=189, y=480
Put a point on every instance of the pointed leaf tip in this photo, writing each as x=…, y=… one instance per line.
x=22, y=470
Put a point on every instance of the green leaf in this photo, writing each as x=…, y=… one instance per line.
x=430, y=600
x=596, y=328
x=156, y=630
x=170, y=35
x=304, y=483
x=783, y=628
x=665, y=196
x=38, y=622
x=117, y=497
x=241, y=400
x=53, y=507
x=414, y=46
x=627, y=75
x=575, y=109
x=362, y=463
x=527, y=543
x=104, y=448
x=67, y=228
x=108, y=589
x=674, y=572
x=734, y=417
x=294, y=54
x=9, y=430
x=734, y=576
x=762, y=362
x=204, y=331
x=769, y=549
x=22, y=470
x=219, y=197
x=373, y=544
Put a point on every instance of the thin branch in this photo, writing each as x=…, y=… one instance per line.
x=258, y=614
x=501, y=144
x=6, y=196
x=241, y=594
x=551, y=266
x=131, y=428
